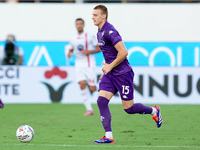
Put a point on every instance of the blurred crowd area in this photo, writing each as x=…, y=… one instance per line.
x=100, y=1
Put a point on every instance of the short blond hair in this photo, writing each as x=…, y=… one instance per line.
x=103, y=9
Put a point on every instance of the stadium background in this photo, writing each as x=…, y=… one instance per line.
x=162, y=40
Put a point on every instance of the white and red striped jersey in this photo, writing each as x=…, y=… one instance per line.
x=83, y=41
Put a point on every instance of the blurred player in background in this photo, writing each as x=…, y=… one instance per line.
x=11, y=54
x=1, y=104
x=117, y=75
x=84, y=45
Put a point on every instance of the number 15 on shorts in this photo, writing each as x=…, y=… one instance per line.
x=125, y=89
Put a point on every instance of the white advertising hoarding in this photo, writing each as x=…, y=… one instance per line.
x=134, y=21
x=160, y=85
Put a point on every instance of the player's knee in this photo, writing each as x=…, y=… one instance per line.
x=128, y=111
x=127, y=104
x=92, y=88
x=102, y=101
x=82, y=85
x=99, y=102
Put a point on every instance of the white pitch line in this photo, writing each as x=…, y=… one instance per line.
x=98, y=145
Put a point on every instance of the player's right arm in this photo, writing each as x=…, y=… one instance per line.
x=122, y=53
x=69, y=49
x=70, y=53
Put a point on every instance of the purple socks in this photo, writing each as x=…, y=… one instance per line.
x=139, y=108
x=102, y=103
x=106, y=116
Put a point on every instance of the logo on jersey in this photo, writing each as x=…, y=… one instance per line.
x=80, y=47
x=101, y=43
x=110, y=32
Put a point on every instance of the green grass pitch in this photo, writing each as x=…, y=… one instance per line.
x=63, y=127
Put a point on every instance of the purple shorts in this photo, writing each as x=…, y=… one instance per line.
x=122, y=83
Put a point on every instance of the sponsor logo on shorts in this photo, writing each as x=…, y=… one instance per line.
x=124, y=96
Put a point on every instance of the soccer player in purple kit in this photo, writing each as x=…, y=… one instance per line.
x=117, y=75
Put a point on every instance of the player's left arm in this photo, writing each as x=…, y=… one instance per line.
x=88, y=52
x=122, y=53
x=94, y=42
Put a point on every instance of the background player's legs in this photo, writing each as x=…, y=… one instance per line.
x=88, y=106
x=91, y=79
x=102, y=101
x=92, y=88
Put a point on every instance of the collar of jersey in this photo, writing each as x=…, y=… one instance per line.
x=104, y=26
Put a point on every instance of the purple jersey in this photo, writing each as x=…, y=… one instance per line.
x=108, y=37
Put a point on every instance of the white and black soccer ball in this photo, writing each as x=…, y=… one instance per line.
x=25, y=133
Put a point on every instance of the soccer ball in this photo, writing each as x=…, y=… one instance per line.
x=25, y=133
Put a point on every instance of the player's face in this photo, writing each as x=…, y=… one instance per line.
x=98, y=17
x=79, y=26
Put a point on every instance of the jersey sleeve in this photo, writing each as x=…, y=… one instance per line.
x=114, y=37
x=71, y=45
x=67, y=48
